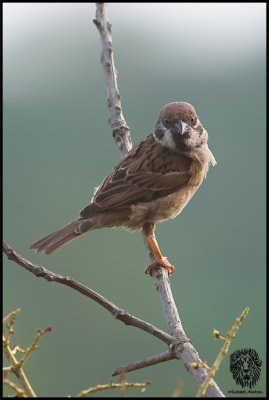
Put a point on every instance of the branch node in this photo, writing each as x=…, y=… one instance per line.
x=117, y=313
x=97, y=22
x=108, y=65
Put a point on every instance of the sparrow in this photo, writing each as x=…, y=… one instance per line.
x=153, y=182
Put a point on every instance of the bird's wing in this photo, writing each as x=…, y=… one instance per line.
x=147, y=172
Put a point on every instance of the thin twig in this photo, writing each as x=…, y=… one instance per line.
x=223, y=351
x=166, y=356
x=10, y=315
x=27, y=390
x=112, y=385
x=20, y=392
x=117, y=312
x=34, y=345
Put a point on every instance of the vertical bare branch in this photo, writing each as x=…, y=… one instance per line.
x=182, y=347
x=120, y=129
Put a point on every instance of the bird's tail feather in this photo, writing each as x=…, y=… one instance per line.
x=62, y=236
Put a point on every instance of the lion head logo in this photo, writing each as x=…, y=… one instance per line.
x=245, y=366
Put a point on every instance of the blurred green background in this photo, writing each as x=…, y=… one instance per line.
x=58, y=147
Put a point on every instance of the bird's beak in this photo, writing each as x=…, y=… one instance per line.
x=181, y=127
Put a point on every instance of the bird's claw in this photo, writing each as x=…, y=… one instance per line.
x=163, y=262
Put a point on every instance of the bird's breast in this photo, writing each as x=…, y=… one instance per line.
x=161, y=209
x=169, y=206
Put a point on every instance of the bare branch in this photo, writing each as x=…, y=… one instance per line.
x=162, y=284
x=20, y=392
x=166, y=356
x=16, y=368
x=34, y=345
x=181, y=347
x=117, y=312
x=112, y=385
x=120, y=129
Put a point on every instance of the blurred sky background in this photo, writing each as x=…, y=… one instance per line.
x=58, y=147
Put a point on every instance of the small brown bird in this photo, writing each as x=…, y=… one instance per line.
x=150, y=184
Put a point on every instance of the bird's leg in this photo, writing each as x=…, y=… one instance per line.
x=159, y=258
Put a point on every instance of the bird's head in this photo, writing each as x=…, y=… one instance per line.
x=178, y=128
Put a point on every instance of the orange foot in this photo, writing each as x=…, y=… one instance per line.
x=163, y=262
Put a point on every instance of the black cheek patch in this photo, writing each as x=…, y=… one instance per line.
x=199, y=129
x=159, y=133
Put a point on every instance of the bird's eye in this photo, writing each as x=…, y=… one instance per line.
x=193, y=118
x=166, y=122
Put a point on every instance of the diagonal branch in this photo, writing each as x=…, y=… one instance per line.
x=117, y=312
x=166, y=356
x=179, y=347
